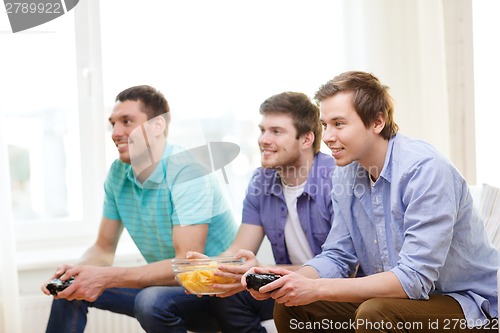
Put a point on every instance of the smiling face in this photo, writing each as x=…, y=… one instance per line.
x=125, y=118
x=278, y=141
x=346, y=135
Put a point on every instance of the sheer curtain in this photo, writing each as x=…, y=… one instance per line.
x=9, y=296
x=486, y=74
x=423, y=51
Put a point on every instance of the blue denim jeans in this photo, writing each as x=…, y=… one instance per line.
x=158, y=309
x=241, y=313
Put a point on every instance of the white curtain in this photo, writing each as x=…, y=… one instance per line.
x=423, y=51
x=9, y=286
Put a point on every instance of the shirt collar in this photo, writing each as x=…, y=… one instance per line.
x=362, y=177
x=158, y=175
x=387, y=168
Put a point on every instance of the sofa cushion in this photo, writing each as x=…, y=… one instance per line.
x=489, y=208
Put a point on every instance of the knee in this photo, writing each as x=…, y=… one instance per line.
x=63, y=305
x=147, y=302
x=374, y=310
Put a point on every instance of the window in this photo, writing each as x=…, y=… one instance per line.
x=216, y=62
x=43, y=129
x=40, y=114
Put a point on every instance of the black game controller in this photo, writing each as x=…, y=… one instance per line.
x=57, y=285
x=255, y=281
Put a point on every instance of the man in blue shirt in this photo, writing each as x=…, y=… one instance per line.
x=164, y=216
x=288, y=200
x=404, y=227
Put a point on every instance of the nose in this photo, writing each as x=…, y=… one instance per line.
x=329, y=135
x=117, y=131
x=264, y=138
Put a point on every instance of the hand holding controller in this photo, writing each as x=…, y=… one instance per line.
x=255, y=281
x=57, y=285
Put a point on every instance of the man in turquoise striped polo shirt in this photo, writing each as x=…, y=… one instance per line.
x=169, y=205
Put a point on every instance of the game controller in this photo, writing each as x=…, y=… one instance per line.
x=57, y=285
x=255, y=281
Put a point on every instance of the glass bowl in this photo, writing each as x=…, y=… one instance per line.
x=197, y=275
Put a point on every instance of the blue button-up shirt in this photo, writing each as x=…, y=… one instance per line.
x=265, y=205
x=417, y=221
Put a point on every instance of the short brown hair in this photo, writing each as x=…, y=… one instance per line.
x=153, y=103
x=304, y=113
x=370, y=97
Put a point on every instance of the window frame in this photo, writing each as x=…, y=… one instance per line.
x=48, y=233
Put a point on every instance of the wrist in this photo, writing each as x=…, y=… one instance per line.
x=323, y=289
x=110, y=277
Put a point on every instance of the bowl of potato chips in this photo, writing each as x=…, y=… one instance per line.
x=197, y=275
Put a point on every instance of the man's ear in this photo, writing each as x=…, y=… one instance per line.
x=379, y=123
x=158, y=125
x=307, y=139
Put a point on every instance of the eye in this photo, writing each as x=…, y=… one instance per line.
x=339, y=124
x=323, y=125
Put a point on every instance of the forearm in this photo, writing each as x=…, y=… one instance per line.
x=292, y=268
x=382, y=285
x=155, y=274
x=102, y=252
x=308, y=271
x=97, y=256
x=249, y=237
x=231, y=250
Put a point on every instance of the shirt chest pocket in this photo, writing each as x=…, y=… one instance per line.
x=273, y=218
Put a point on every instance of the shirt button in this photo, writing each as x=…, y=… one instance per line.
x=374, y=241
